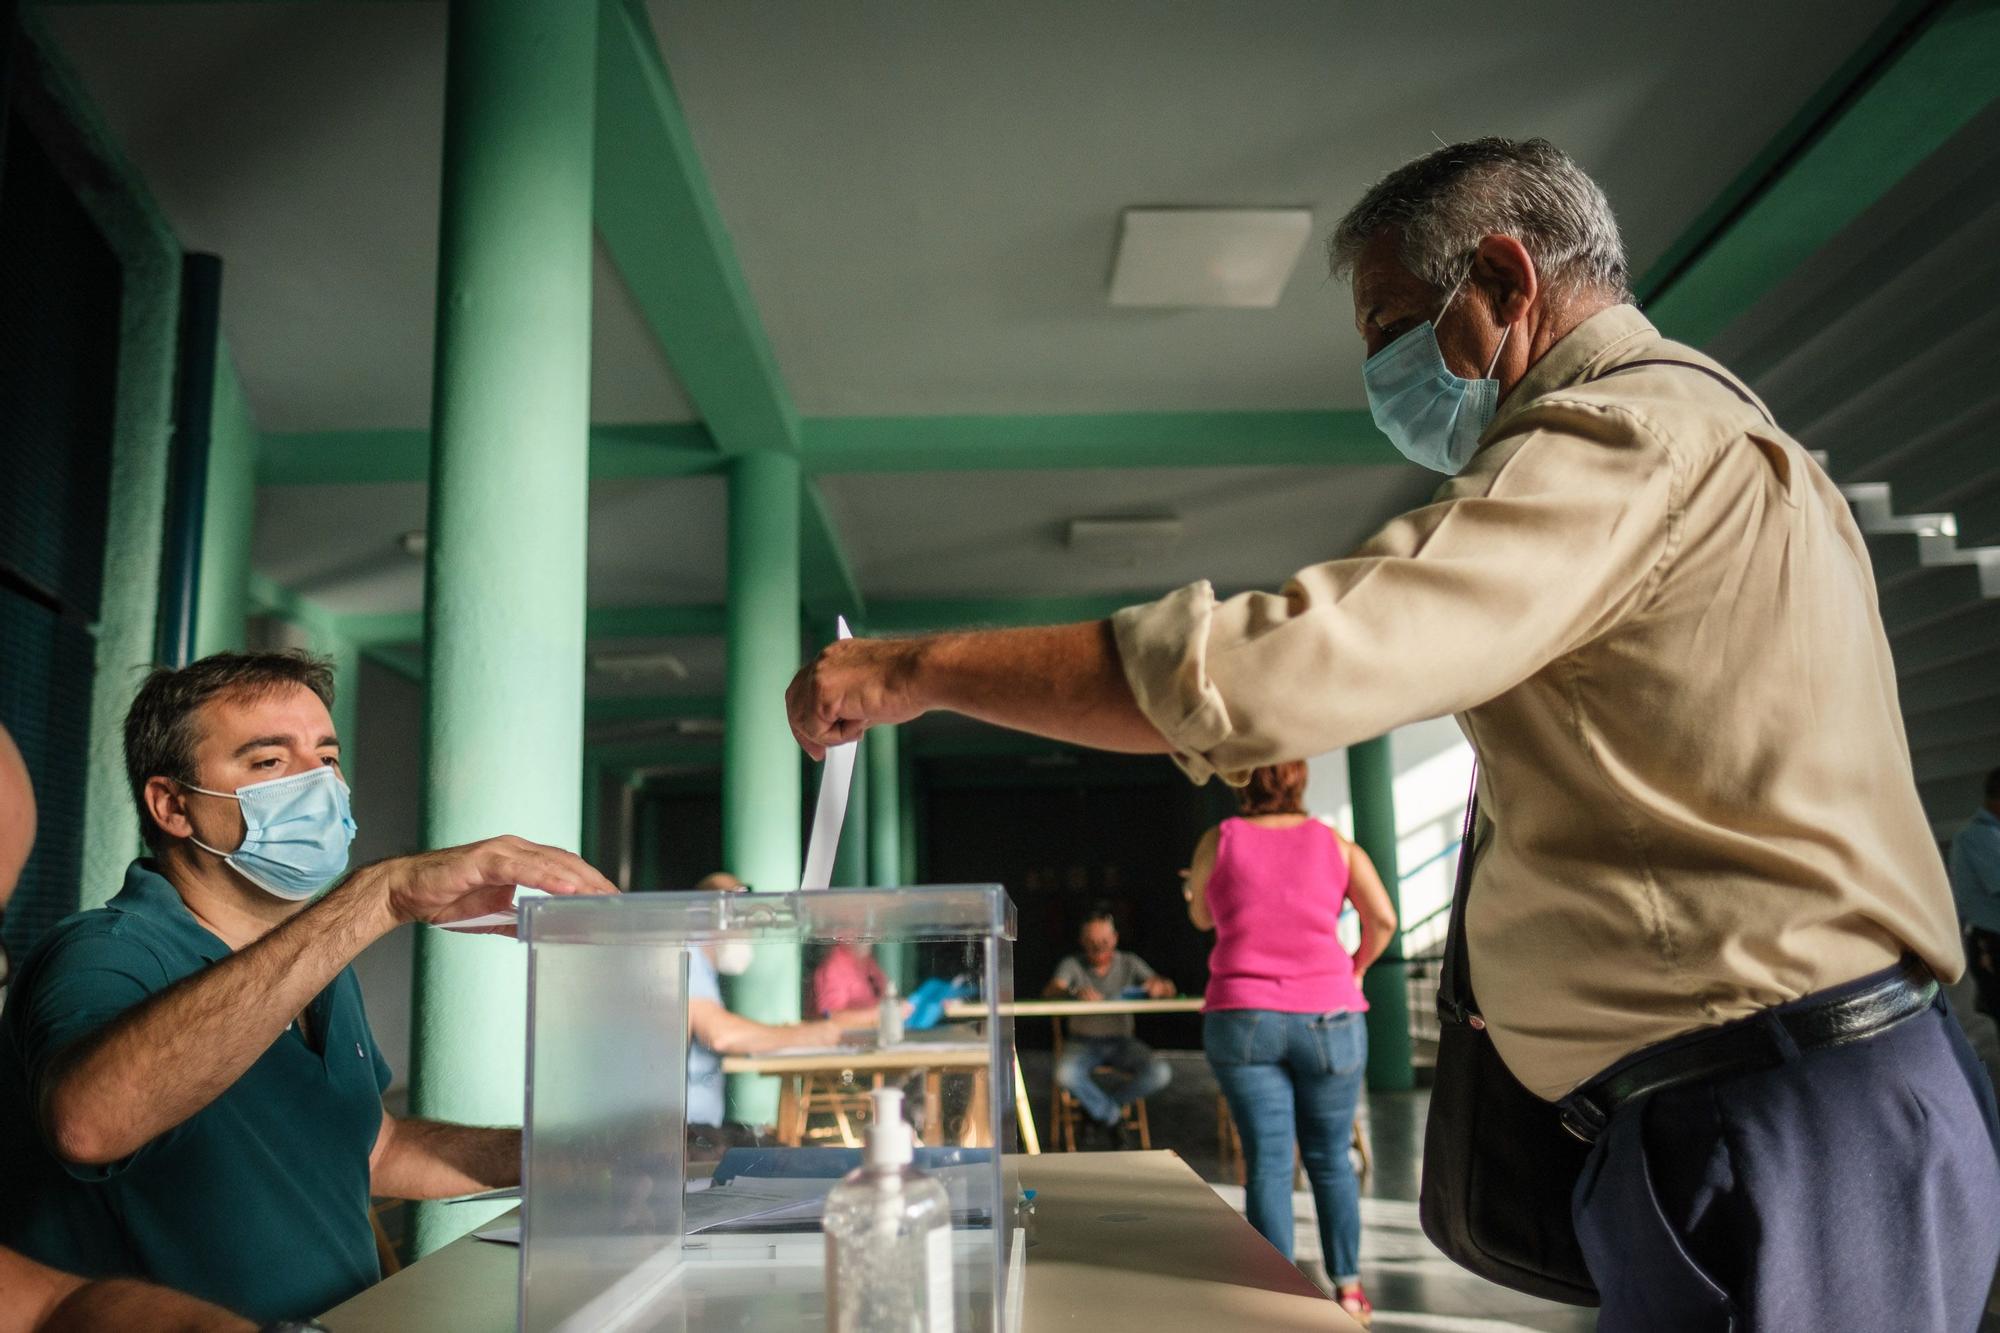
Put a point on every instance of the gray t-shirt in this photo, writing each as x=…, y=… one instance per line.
x=1127, y=969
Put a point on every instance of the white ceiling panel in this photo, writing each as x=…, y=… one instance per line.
x=924, y=197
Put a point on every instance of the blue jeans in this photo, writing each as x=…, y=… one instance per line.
x=1293, y=1076
x=1145, y=1073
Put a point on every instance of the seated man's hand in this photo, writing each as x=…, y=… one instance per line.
x=837, y=1027
x=1159, y=988
x=459, y=883
x=1088, y=992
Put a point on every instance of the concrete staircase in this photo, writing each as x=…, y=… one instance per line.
x=1883, y=350
x=1940, y=598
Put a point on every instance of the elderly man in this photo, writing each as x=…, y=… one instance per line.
x=1703, y=859
x=191, y=1062
x=35, y=1299
x=1100, y=970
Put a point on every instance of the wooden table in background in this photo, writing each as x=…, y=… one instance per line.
x=1055, y=1010
x=935, y=1059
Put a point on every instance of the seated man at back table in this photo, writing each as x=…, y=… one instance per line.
x=189, y=1089
x=1100, y=971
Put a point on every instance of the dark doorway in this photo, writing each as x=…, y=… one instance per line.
x=1061, y=831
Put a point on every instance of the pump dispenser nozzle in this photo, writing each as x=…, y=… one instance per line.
x=889, y=1136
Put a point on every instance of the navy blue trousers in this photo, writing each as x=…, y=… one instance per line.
x=1850, y=1187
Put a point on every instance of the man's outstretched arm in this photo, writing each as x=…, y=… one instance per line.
x=1059, y=681
x=425, y=1159
x=170, y=1055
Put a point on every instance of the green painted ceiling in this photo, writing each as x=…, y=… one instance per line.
x=922, y=198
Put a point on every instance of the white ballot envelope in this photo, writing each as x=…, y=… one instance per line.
x=508, y=917
x=836, y=779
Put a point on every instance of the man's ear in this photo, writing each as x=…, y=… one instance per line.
x=167, y=804
x=1506, y=276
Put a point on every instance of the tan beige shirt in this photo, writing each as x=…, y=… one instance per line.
x=1655, y=620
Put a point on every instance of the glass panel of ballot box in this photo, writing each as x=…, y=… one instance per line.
x=677, y=1159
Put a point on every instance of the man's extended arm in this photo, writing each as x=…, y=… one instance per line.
x=1059, y=681
x=1546, y=541
x=169, y=1056
x=728, y=1033
x=424, y=1159
x=38, y=1299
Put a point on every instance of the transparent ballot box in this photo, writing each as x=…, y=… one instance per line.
x=684, y=1126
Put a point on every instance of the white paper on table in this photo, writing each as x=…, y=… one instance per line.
x=506, y=918
x=836, y=779
x=507, y=1233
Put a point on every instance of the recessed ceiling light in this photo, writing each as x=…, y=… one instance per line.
x=1229, y=257
x=641, y=662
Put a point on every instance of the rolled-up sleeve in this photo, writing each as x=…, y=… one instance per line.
x=1549, y=538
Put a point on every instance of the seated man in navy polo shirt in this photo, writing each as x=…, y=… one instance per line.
x=193, y=1057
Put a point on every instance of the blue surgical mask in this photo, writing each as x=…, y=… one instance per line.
x=1433, y=417
x=296, y=832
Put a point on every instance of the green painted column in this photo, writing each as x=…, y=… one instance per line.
x=509, y=482
x=648, y=833
x=346, y=699
x=593, y=812
x=229, y=513
x=1371, y=781
x=880, y=753
x=761, y=776
x=906, y=821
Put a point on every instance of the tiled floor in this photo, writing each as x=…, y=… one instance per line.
x=1413, y=1286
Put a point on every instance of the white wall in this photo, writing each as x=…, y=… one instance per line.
x=388, y=814
x=1433, y=767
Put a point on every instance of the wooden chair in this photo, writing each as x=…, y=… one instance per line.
x=842, y=1099
x=1229, y=1144
x=1065, y=1110
x=385, y=1249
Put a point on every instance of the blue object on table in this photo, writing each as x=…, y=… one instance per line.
x=1132, y=993
x=928, y=1000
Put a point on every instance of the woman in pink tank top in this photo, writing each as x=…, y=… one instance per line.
x=1282, y=1025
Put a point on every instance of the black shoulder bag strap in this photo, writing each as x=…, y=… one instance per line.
x=1455, y=1004
x=1724, y=380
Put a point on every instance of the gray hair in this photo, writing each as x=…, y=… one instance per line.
x=1440, y=206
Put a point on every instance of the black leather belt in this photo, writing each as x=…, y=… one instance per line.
x=1847, y=1014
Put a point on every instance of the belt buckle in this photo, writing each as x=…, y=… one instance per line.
x=1583, y=1118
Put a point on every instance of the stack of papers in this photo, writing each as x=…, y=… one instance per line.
x=507, y=918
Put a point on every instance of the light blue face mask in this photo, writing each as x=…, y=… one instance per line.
x=296, y=832
x=1433, y=417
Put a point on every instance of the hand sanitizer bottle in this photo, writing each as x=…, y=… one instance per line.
x=890, y=1027
x=888, y=1238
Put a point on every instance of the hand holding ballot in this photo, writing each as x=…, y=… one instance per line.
x=1059, y=681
